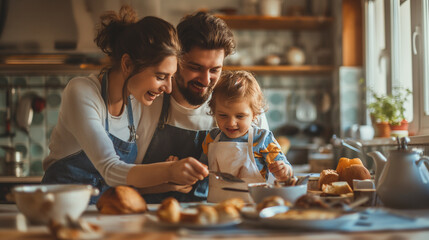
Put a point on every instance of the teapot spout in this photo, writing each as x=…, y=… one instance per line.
x=379, y=161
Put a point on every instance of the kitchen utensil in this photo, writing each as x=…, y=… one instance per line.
x=235, y=189
x=225, y=176
x=305, y=110
x=14, y=162
x=303, y=180
x=325, y=105
x=259, y=191
x=42, y=203
x=402, y=180
x=24, y=112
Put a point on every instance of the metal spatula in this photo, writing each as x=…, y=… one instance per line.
x=225, y=176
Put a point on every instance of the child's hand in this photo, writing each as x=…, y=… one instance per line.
x=281, y=170
x=172, y=158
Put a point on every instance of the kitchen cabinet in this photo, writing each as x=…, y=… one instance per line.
x=283, y=23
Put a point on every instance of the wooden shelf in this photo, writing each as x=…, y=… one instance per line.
x=285, y=22
x=284, y=69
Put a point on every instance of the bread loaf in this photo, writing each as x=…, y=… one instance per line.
x=121, y=200
x=327, y=177
x=336, y=188
x=169, y=211
x=355, y=171
x=346, y=162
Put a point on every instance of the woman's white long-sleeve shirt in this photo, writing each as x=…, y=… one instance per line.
x=81, y=126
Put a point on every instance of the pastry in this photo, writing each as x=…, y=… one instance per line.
x=227, y=213
x=310, y=201
x=238, y=203
x=327, y=176
x=271, y=202
x=169, y=211
x=121, y=200
x=206, y=215
x=354, y=172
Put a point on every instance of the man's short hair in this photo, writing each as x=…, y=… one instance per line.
x=205, y=31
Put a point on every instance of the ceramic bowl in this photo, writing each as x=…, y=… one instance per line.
x=41, y=203
x=259, y=191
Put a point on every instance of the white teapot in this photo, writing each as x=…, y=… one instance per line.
x=402, y=180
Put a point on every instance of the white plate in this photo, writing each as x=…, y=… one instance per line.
x=154, y=219
x=325, y=224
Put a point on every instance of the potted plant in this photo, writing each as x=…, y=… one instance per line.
x=388, y=112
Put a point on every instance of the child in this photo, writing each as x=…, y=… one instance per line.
x=236, y=146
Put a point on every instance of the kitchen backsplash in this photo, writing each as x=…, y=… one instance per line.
x=34, y=143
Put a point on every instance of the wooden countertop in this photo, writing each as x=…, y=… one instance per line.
x=137, y=227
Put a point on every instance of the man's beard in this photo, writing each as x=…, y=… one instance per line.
x=191, y=97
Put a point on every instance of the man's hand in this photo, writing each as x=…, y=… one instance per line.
x=281, y=170
x=187, y=171
x=172, y=158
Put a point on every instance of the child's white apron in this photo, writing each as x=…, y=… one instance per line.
x=237, y=159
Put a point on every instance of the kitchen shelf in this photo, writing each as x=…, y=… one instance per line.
x=284, y=69
x=284, y=22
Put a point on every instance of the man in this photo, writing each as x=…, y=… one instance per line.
x=178, y=123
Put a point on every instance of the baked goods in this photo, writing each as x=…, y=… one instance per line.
x=327, y=177
x=310, y=201
x=121, y=200
x=354, y=172
x=336, y=188
x=169, y=211
x=227, y=213
x=271, y=202
x=237, y=203
x=346, y=162
x=206, y=215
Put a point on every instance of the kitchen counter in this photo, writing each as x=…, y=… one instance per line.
x=137, y=226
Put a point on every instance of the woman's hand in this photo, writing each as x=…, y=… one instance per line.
x=281, y=170
x=187, y=171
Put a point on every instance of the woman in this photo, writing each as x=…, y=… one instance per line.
x=94, y=139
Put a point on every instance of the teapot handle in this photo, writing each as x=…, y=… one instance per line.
x=424, y=173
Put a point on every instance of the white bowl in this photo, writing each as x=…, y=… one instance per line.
x=41, y=203
x=259, y=191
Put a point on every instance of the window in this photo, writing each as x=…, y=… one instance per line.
x=397, y=51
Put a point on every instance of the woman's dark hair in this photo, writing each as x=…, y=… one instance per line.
x=205, y=31
x=147, y=41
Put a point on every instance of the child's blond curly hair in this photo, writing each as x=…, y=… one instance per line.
x=238, y=85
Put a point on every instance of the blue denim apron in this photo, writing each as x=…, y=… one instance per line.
x=170, y=140
x=77, y=168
